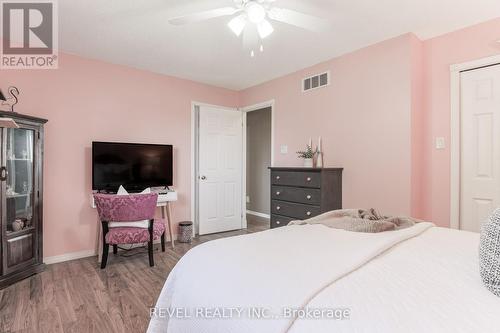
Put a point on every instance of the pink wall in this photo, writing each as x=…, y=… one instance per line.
x=364, y=117
x=418, y=130
x=457, y=47
x=88, y=100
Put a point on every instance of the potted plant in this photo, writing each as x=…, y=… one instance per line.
x=308, y=156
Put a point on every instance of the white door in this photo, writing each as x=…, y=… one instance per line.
x=220, y=170
x=480, y=146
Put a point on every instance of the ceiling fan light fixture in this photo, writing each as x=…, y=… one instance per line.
x=237, y=24
x=256, y=12
x=265, y=29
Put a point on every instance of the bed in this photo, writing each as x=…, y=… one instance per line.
x=311, y=278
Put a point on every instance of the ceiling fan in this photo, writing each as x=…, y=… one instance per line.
x=258, y=13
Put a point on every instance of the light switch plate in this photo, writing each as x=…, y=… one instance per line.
x=284, y=149
x=440, y=143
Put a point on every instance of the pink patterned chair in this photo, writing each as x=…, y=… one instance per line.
x=126, y=209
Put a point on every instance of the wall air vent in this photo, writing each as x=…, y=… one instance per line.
x=316, y=81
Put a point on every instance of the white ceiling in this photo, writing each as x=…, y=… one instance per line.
x=136, y=33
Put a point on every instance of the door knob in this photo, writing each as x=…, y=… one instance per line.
x=203, y=177
x=308, y=213
x=278, y=177
x=278, y=222
x=308, y=179
x=278, y=193
x=308, y=197
x=278, y=208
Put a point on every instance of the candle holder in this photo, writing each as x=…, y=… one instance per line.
x=319, y=154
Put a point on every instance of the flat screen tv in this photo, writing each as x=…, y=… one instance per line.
x=136, y=166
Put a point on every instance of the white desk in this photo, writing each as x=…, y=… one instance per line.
x=163, y=202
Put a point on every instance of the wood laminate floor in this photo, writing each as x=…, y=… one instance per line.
x=77, y=296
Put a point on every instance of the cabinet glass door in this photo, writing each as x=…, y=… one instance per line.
x=19, y=191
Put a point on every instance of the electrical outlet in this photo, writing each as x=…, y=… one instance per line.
x=440, y=143
x=284, y=149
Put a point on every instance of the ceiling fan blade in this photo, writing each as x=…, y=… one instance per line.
x=205, y=15
x=298, y=19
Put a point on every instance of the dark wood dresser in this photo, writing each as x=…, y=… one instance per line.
x=302, y=193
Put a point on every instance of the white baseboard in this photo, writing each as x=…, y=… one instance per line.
x=69, y=256
x=251, y=212
x=85, y=254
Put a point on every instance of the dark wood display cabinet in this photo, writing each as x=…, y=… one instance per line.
x=21, y=199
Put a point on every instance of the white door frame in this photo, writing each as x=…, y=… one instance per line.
x=245, y=110
x=455, y=71
x=195, y=107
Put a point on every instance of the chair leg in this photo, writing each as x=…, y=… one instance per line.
x=163, y=242
x=115, y=249
x=150, y=252
x=150, y=243
x=105, y=250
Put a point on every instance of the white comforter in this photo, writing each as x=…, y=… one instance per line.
x=418, y=279
x=430, y=283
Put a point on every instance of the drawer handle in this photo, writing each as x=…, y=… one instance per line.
x=308, y=179
x=278, y=207
x=278, y=193
x=278, y=177
x=308, y=213
x=308, y=197
x=278, y=222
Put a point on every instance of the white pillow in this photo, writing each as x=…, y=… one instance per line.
x=136, y=224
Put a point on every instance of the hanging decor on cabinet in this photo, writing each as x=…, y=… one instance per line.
x=7, y=104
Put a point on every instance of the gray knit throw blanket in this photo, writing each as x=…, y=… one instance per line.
x=360, y=220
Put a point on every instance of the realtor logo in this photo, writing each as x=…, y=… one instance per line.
x=29, y=35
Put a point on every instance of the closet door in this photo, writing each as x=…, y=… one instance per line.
x=480, y=146
x=20, y=219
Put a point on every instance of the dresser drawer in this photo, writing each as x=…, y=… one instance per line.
x=279, y=221
x=310, y=196
x=301, y=179
x=294, y=210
